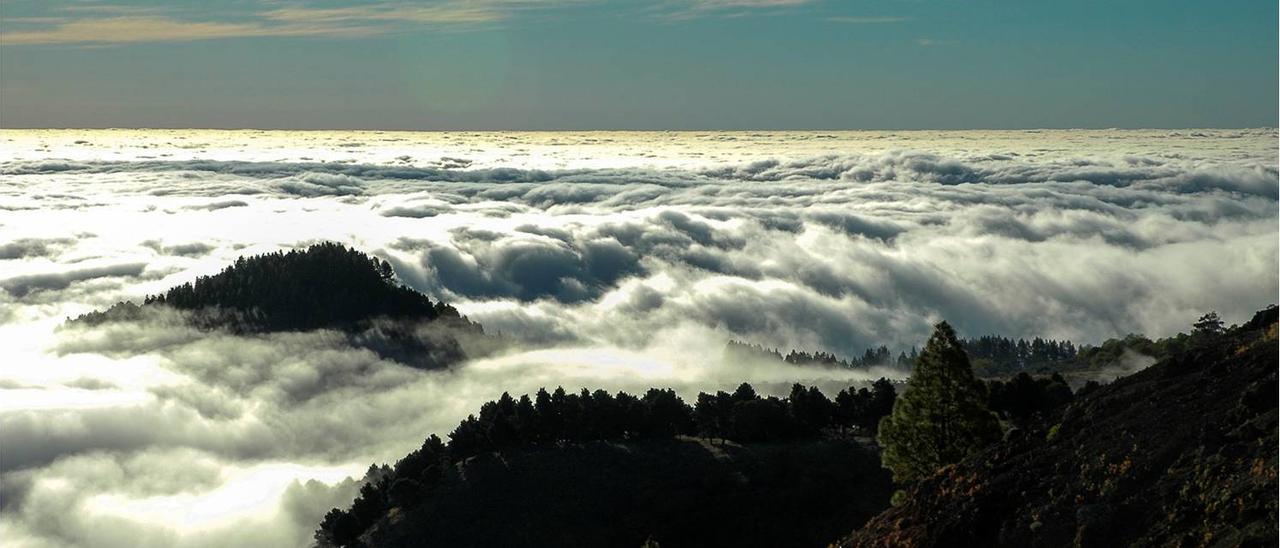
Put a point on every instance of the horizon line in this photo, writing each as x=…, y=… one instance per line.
x=632, y=130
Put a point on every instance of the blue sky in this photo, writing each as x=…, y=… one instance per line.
x=639, y=64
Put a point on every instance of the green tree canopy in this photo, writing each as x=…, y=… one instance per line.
x=942, y=417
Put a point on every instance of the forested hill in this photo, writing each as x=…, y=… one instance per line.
x=325, y=286
x=1182, y=453
x=561, y=468
x=596, y=469
x=674, y=493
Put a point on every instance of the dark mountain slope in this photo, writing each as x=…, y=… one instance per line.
x=1183, y=453
x=593, y=469
x=679, y=492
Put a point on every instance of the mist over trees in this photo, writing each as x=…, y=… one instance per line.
x=325, y=286
x=1114, y=351
x=879, y=356
x=995, y=356
x=989, y=355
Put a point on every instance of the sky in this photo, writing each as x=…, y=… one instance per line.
x=638, y=64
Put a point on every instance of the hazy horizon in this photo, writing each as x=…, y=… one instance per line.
x=629, y=130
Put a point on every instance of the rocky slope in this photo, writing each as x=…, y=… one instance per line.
x=1183, y=453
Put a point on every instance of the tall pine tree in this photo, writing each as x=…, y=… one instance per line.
x=942, y=417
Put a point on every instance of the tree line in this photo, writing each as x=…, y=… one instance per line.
x=994, y=355
x=553, y=418
x=997, y=356
x=559, y=417
x=326, y=285
x=873, y=357
x=990, y=355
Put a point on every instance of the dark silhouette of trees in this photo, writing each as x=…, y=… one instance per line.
x=1209, y=325
x=990, y=354
x=761, y=419
x=562, y=417
x=468, y=438
x=810, y=409
x=559, y=417
x=663, y=415
x=339, y=528
x=1023, y=398
x=878, y=356
x=326, y=285
x=424, y=463
x=996, y=355
x=864, y=408
x=942, y=417
x=712, y=412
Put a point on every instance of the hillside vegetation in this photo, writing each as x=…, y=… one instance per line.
x=1183, y=453
x=678, y=492
x=738, y=467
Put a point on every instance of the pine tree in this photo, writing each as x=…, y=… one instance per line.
x=1208, y=325
x=942, y=417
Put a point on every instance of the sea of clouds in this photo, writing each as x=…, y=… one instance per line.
x=614, y=260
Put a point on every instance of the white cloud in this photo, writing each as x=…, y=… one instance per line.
x=615, y=260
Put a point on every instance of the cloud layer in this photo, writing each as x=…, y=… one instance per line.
x=619, y=261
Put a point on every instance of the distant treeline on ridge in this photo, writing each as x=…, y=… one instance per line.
x=997, y=356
